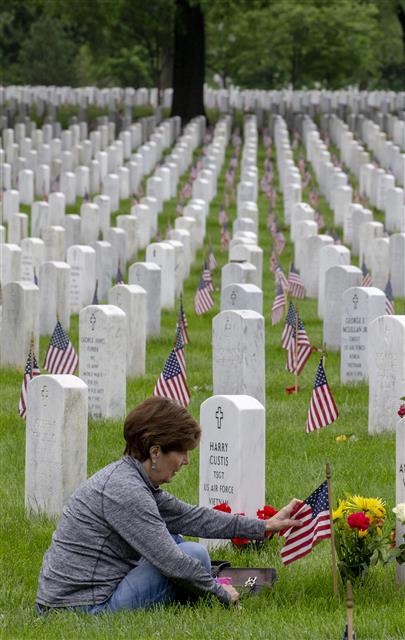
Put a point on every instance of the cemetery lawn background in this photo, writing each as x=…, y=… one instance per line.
x=301, y=604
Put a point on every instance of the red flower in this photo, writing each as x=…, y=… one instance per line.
x=240, y=542
x=223, y=507
x=358, y=521
x=267, y=512
x=401, y=411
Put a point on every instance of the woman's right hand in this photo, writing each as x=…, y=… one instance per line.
x=232, y=592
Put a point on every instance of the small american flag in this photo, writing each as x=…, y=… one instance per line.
x=299, y=349
x=212, y=263
x=279, y=239
x=222, y=217
x=203, y=301
x=289, y=326
x=179, y=349
x=322, y=408
x=224, y=237
x=31, y=370
x=281, y=277
x=295, y=285
x=367, y=280
x=335, y=237
x=314, y=513
x=182, y=323
x=389, y=299
x=95, y=296
x=278, y=306
x=61, y=356
x=172, y=383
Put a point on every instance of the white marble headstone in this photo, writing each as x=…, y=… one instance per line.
x=102, y=359
x=56, y=442
x=132, y=300
x=242, y=296
x=232, y=454
x=238, y=358
x=386, y=366
x=338, y=279
x=360, y=306
x=148, y=275
x=20, y=322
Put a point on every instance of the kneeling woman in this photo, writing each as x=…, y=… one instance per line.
x=117, y=545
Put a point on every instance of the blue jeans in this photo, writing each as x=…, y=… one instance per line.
x=144, y=586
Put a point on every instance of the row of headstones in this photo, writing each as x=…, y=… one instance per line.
x=289, y=175
x=80, y=96
x=64, y=283
x=374, y=183
x=382, y=255
x=77, y=162
x=345, y=307
x=246, y=99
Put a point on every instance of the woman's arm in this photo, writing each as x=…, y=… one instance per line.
x=204, y=522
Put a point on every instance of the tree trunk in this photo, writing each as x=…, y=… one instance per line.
x=188, y=62
x=401, y=18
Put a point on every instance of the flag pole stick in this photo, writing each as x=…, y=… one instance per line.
x=349, y=608
x=328, y=473
x=296, y=350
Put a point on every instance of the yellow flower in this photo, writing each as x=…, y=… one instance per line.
x=371, y=506
x=339, y=511
x=341, y=438
x=362, y=533
x=378, y=530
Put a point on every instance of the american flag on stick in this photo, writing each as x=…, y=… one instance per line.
x=203, y=301
x=31, y=370
x=183, y=323
x=179, y=349
x=315, y=516
x=61, y=356
x=299, y=348
x=322, y=408
x=367, y=280
x=295, y=285
x=119, y=278
x=278, y=306
x=172, y=382
x=212, y=263
x=389, y=299
x=289, y=326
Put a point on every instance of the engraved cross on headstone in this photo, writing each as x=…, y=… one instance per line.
x=355, y=301
x=219, y=414
x=233, y=297
x=92, y=321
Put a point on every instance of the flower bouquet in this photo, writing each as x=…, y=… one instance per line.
x=359, y=539
x=263, y=514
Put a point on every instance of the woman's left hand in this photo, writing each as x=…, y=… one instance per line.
x=282, y=519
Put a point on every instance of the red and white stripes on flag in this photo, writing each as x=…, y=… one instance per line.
x=278, y=306
x=315, y=516
x=295, y=285
x=203, y=301
x=367, y=280
x=31, y=370
x=389, y=299
x=61, y=356
x=172, y=382
x=299, y=348
x=289, y=325
x=322, y=408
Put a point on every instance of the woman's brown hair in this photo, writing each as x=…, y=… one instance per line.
x=158, y=421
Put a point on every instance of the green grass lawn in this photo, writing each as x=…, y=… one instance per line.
x=301, y=605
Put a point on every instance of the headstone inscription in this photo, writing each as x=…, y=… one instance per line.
x=102, y=359
x=232, y=454
x=338, y=279
x=360, y=306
